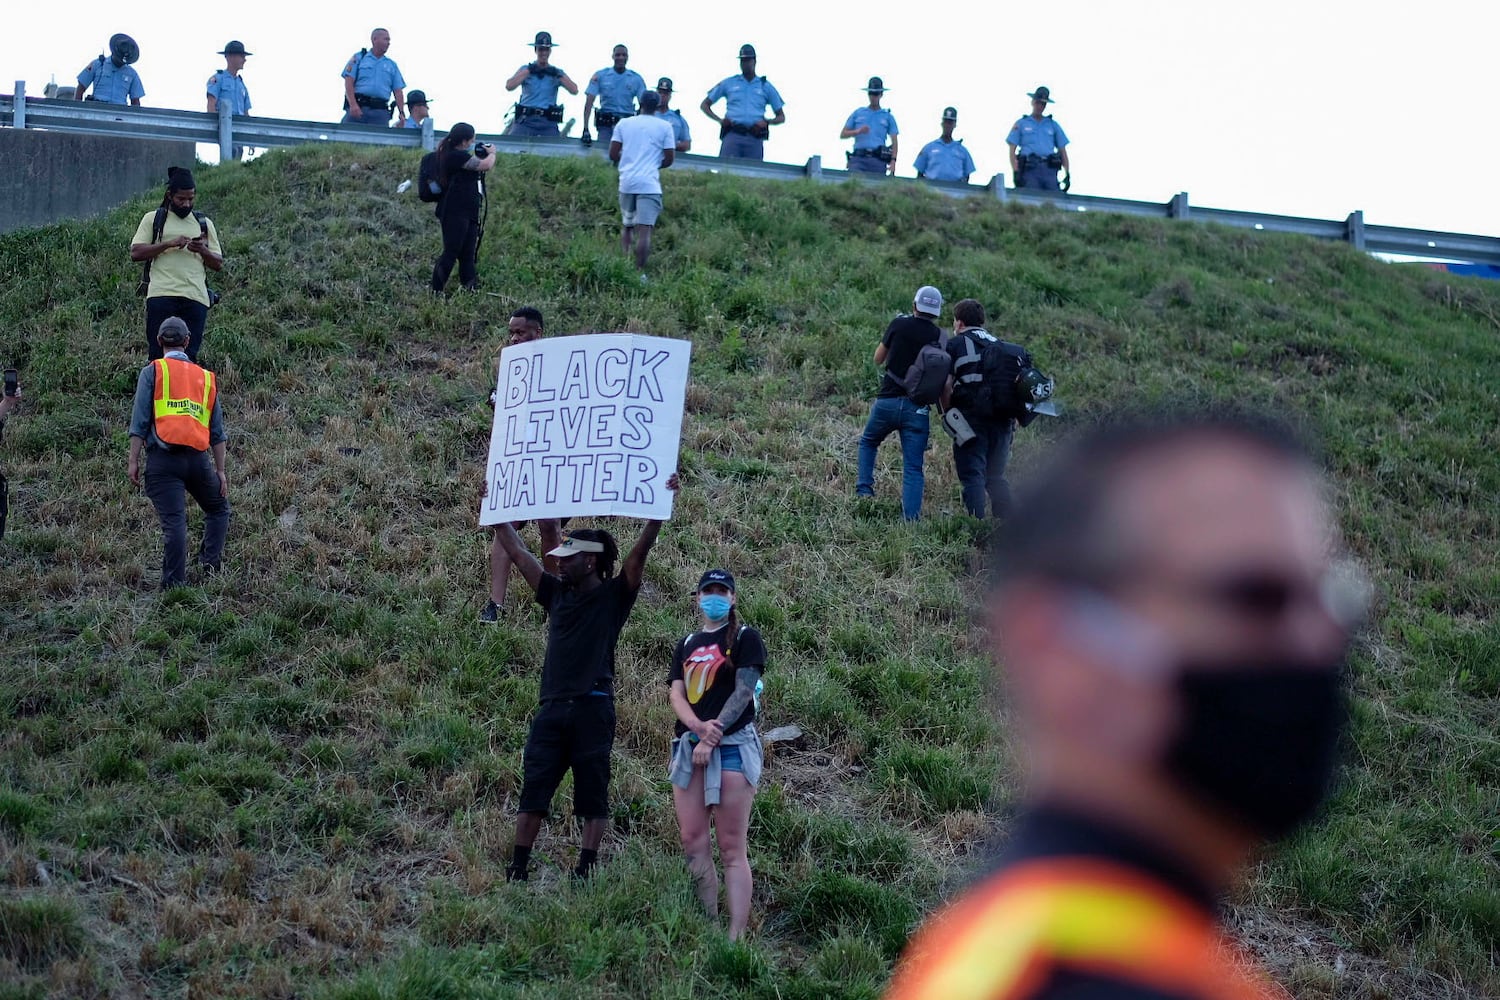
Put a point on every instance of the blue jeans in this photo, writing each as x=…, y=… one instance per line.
x=895, y=413
x=980, y=465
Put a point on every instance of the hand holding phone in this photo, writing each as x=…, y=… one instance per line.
x=12, y=382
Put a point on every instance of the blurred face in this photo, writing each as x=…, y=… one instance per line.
x=948, y=125
x=665, y=96
x=418, y=111
x=379, y=42
x=621, y=57
x=235, y=62
x=543, y=53
x=1037, y=107
x=747, y=65
x=523, y=330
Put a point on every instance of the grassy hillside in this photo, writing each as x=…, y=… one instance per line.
x=298, y=779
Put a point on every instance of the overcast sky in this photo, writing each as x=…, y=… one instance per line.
x=1300, y=108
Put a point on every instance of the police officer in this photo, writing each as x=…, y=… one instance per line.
x=945, y=159
x=618, y=90
x=114, y=79
x=1038, y=147
x=538, y=112
x=373, y=84
x=869, y=127
x=176, y=420
x=679, y=123
x=416, y=109
x=744, y=127
x=228, y=86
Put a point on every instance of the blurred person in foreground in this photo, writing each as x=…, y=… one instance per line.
x=1173, y=630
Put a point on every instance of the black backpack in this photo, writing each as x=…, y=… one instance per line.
x=928, y=373
x=1008, y=380
x=157, y=225
x=430, y=178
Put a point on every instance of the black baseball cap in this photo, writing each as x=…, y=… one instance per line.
x=720, y=576
x=665, y=83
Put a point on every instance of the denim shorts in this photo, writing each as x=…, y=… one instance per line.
x=729, y=758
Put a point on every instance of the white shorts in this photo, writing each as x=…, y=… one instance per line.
x=640, y=209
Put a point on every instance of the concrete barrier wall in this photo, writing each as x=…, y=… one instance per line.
x=46, y=177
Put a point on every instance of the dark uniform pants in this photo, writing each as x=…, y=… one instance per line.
x=1040, y=176
x=356, y=115
x=742, y=147
x=867, y=165
x=170, y=477
x=533, y=125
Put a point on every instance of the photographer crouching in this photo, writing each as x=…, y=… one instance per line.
x=462, y=164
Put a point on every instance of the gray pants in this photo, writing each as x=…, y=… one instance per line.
x=742, y=147
x=170, y=477
x=533, y=125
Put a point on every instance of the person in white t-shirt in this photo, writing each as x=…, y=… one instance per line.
x=642, y=146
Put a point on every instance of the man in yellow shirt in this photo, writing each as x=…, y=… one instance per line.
x=177, y=244
x=1172, y=626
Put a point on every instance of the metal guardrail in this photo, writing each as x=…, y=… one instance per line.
x=226, y=131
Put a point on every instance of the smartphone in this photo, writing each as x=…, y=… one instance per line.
x=12, y=382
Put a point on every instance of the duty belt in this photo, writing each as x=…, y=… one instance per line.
x=365, y=101
x=609, y=119
x=879, y=152
x=552, y=114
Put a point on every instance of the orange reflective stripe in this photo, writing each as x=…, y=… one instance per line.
x=1006, y=940
x=184, y=403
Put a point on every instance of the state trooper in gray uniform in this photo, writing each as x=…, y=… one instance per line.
x=679, y=124
x=744, y=127
x=537, y=112
x=1039, y=147
x=373, y=85
x=618, y=91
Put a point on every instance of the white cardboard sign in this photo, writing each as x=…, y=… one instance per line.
x=586, y=425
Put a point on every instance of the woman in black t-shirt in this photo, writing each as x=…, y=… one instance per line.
x=716, y=759
x=463, y=196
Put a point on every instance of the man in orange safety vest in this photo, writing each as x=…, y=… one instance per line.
x=1172, y=625
x=176, y=420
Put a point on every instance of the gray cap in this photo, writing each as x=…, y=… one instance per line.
x=928, y=300
x=173, y=332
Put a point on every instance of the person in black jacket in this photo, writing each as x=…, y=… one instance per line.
x=462, y=170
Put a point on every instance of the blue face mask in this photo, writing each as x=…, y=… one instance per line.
x=714, y=606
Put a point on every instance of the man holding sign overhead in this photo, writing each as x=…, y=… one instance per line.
x=574, y=728
x=584, y=426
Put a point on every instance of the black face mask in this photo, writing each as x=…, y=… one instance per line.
x=181, y=212
x=1260, y=741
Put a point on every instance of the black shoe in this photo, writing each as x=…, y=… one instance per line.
x=491, y=613
x=514, y=874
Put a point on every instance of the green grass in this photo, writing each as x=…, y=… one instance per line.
x=299, y=779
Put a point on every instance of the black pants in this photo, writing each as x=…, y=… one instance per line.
x=190, y=311
x=461, y=244
x=171, y=477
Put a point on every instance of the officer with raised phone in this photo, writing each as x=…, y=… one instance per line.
x=114, y=79
x=538, y=112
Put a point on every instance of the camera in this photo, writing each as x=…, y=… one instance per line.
x=482, y=149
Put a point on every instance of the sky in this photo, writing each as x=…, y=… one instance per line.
x=1312, y=108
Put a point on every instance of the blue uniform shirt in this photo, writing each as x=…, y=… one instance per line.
x=617, y=92
x=112, y=84
x=882, y=123
x=412, y=123
x=679, y=125
x=745, y=100
x=541, y=91
x=377, y=78
x=1036, y=138
x=944, y=161
x=225, y=87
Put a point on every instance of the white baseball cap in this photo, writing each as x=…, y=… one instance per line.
x=928, y=300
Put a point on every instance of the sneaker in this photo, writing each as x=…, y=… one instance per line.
x=644, y=280
x=491, y=613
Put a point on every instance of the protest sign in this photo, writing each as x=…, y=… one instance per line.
x=586, y=425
